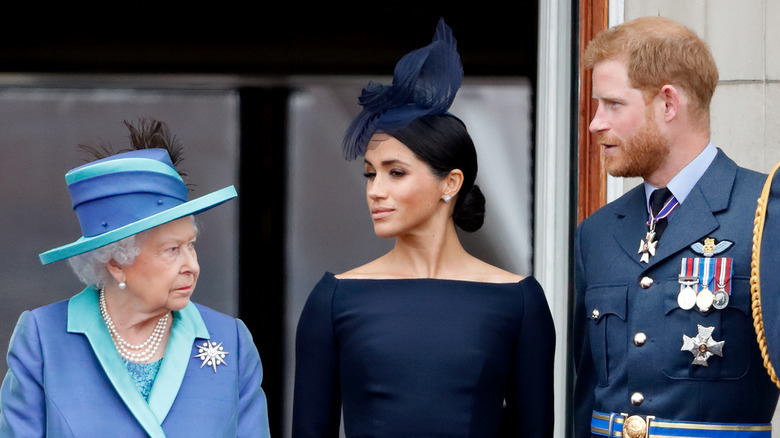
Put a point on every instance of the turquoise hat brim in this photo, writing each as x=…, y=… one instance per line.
x=85, y=244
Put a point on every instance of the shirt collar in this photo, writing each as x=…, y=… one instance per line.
x=682, y=183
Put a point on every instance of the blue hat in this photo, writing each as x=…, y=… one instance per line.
x=425, y=82
x=124, y=194
x=765, y=277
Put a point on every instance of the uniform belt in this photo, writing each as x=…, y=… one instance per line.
x=647, y=426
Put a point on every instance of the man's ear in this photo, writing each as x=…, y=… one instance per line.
x=670, y=97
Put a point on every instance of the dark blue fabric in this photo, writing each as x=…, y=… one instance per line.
x=424, y=358
x=657, y=201
x=609, y=367
x=425, y=81
x=769, y=270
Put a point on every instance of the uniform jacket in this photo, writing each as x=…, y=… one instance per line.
x=66, y=379
x=611, y=308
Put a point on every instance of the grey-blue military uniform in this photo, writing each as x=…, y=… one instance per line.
x=629, y=331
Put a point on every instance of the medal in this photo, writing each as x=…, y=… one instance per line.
x=648, y=246
x=686, y=299
x=702, y=346
x=704, y=300
x=705, y=297
x=721, y=300
x=688, y=279
x=723, y=276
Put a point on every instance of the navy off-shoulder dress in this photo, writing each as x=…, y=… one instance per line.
x=424, y=358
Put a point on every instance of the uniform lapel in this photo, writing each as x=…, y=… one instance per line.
x=187, y=326
x=631, y=222
x=692, y=221
x=695, y=218
x=84, y=317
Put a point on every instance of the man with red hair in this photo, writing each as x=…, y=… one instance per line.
x=664, y=343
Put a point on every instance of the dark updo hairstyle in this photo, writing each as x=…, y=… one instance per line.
x=443, y=142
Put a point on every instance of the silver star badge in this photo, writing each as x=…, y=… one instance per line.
x=211, y=354
x=702, y=346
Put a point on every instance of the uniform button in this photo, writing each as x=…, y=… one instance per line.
x=637, y=398
x=645, y=282
x=640, y=339
x=595, y=314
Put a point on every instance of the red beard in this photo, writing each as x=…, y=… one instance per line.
x=639, y=155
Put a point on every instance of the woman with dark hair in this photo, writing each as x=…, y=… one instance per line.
x=426, y=340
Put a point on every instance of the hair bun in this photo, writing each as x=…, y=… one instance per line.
x=469, y=212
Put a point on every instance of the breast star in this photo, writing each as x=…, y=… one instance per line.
x=702, y=346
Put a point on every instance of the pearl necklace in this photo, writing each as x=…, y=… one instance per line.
x=140, y=353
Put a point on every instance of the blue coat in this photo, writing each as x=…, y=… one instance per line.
x=66, y=379
x=611, y=308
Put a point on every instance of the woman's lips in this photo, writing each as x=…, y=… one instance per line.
x=380, y=213
x=185, y=289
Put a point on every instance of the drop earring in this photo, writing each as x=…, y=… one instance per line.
x=122, y=285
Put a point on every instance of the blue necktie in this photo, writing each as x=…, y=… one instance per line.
x=658, y=199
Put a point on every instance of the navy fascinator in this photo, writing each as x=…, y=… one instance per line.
x=425, y=82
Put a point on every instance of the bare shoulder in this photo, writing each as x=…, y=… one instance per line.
x=376, y=269
x=471, y=268
x=488, y=273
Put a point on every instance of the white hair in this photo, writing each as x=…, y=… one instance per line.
x=90, y=267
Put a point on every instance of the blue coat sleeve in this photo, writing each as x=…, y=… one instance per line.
x=22, y=400
x=317, y=395
x=585, y=376
x=252, y=403
x=530, y=398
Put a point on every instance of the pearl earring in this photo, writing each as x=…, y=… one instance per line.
x=122, y=285
x=446, y=198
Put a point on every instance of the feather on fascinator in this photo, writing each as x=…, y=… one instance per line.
x=425, y=82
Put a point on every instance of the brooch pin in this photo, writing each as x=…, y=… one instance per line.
x=709, y=248
x=211, y=354
x=702, y=346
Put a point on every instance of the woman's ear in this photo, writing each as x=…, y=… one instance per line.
x=116, y=271
x=453, y=182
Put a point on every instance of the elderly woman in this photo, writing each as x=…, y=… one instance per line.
x=131, y=355
x=426, y=340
